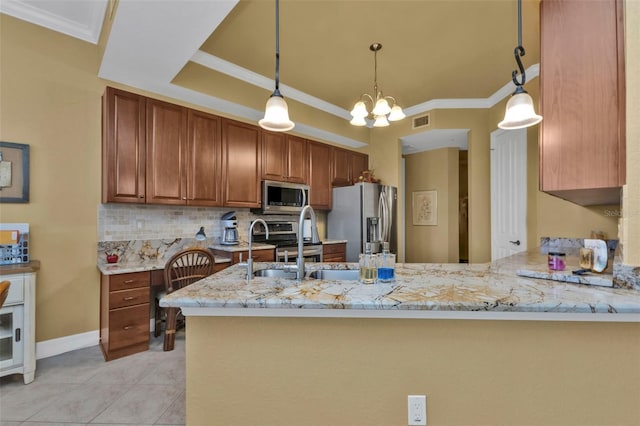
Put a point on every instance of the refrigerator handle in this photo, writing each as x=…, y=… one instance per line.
x=383, y=215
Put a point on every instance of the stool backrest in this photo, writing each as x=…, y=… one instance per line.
x=187, y=267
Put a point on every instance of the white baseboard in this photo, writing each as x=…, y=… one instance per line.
x=64, y=344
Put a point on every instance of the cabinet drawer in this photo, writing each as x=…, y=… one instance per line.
x=122, y=298
x=128, y=281
x=334, y=257
x=16, y=289
x=333, y=248
x=262, y=255
x=128, y=326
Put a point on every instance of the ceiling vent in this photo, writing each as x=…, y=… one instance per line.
x=422, y=121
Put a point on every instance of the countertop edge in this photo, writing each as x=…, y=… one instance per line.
x=409, y=314
x=20, y=268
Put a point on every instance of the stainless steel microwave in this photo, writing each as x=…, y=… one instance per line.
x=283, y=197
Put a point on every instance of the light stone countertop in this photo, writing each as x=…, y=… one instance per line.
x=327, y=242
x=141, y=266
x=453, y=291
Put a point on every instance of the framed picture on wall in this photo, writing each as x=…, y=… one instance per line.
x=14, y=172
x=425, y=208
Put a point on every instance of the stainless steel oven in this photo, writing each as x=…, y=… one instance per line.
x=311, y=253
x=284, y=235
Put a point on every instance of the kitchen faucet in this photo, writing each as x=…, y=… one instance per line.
x=250, y=259
x=314, y=230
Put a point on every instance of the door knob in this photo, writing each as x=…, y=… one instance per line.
x=517, y=242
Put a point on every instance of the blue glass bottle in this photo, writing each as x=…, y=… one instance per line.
x=386, y=265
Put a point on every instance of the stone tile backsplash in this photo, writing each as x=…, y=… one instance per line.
x=126, y=222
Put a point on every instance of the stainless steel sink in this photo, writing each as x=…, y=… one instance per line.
x=275, y=273
x=335, y=274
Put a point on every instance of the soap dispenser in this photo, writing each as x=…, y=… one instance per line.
x=386, y=264
x=368, y=266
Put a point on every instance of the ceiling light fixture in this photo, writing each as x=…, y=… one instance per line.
x=381, y=111
x=276, y=115
x=520, y=112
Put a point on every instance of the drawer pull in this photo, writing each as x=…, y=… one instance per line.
x=129, y=298
x=129, y=281
x=127, y=327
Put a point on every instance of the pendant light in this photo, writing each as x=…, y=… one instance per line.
x=520, y=112
x=276, y=115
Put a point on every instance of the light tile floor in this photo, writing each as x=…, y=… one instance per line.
x=80, y=388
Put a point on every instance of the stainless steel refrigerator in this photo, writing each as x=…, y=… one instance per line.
x=364, y=212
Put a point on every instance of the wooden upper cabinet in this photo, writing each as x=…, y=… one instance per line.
x=297, y=160
x=274, y=146
x=204, y=159
x=340, y=165
x=347, y=166
x=166, y=153
x=582, y=100
x=123, y=147
x=284, y=157
x=241, y=164
x=320, y=188
x=359, y=163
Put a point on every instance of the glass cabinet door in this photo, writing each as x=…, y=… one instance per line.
x=10, y=337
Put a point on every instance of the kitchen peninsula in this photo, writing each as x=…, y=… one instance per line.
x=483, y=344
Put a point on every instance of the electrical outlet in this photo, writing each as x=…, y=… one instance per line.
x=417, y=413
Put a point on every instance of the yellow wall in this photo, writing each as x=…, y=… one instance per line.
x=277, y=371
x=426, y=171
x=630, y=224
x=50, y=100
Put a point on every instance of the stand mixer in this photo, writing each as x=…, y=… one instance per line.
x=229, y=229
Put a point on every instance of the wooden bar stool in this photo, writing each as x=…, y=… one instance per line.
x=184, y=268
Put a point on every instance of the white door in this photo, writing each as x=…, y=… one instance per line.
x=508, y=192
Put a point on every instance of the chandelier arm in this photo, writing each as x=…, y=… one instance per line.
x=392, y=99
x=365, y=96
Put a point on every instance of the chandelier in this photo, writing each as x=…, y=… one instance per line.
x=382, y=112
x=519, y=112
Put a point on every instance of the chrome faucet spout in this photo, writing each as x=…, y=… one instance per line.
x=300, y=259
x=249, y=257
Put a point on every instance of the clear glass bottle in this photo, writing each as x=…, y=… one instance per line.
x=386, y=265
x=368, y=266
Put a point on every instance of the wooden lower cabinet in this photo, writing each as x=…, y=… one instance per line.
x=268, y=255
x=124, y=314
x=334, y=252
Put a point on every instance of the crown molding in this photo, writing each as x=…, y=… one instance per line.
x=87, y=31
x=218, y=64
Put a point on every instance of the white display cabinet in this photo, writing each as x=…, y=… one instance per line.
x=18, y=322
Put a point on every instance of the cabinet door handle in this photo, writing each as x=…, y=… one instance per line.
x=18, y=335
x=127, y=327
x=140, y=196
x=129, y=298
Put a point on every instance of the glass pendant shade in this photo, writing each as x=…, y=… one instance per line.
x=381, y=121
x=396, y=114
x=359, y=110
x=276, y=115
x=519, y=112
x=382, y=107
x=358, y=121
